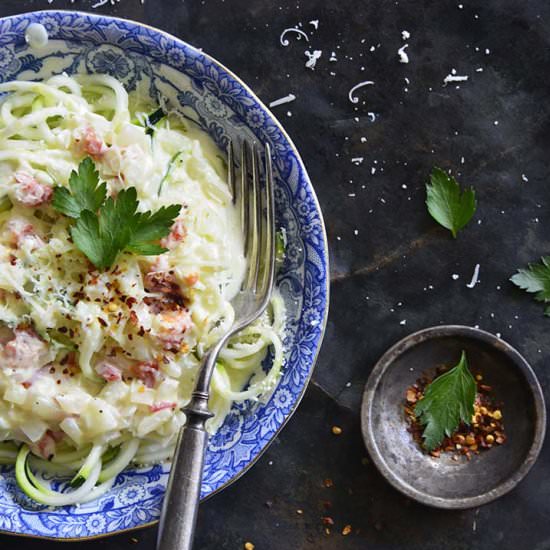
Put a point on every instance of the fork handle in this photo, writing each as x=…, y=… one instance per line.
x=179, y=511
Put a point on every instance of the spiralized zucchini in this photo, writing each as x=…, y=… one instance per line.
x=95, y=366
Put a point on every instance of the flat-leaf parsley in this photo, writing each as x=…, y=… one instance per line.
x=86, y=193
x=103, y=228
x=446, y=204
x=535, y=279
x=447, y=401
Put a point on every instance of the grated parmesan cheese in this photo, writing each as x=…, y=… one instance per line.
x=312, y=58
x=285, y=42
x=282, y=100
x=403, y=57
x=475, y=277
x=354, y=99
x=453, y=77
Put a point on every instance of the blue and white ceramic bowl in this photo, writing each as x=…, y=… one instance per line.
x=225, y=107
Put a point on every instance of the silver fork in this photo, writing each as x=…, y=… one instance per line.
x=179, y=511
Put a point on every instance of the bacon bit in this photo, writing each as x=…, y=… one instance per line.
x=21, y=231
x=177, y=234
x=161, y=406
x=45, y=446
x=25, y=349
x=174, y=325
x=30, y=192
x=89, y=143
x=147, y=372
x=108, y=372
x=57, y=435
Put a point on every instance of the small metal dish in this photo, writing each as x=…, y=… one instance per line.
x=443, y=482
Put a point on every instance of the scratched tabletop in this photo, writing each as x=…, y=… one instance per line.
x=394, y=270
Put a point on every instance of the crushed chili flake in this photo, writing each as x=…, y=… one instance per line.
x=485, y=431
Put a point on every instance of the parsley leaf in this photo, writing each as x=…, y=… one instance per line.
x=105, y=227
x=535, y=279
x=447, y=401
x=86, y=193
x=446, y=204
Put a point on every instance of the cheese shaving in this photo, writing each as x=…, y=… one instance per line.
x=403, y=57
x=282, y=100
x=312, y=58
x=353, y=98
x=285, y=42
x=475, y=277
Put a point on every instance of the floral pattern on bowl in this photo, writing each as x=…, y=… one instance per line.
x=215, y=99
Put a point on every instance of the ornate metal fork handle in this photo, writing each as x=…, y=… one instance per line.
x=179, y=511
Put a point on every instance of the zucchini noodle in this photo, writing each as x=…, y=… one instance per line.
x=96, y=366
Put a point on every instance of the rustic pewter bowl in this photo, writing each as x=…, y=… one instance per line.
x=443, y=482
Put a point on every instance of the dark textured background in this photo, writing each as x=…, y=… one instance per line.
x=399, y=265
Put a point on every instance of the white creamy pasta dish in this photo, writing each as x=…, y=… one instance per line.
x=120, y=250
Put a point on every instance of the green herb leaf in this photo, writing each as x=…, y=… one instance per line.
x=118, y=226
x=446, y=204
x=535, y=279
x=105, y=227
x=153, y=119
x=447, y=401
x=96, y=246
x=86, y=193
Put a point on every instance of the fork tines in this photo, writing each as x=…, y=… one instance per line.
x=253, y=195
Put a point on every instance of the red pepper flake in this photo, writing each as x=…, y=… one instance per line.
x=485, y=430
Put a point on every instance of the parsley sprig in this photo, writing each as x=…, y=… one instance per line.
x=447, y=401
x=447, y=204
x=535, y=278
x=104, y=227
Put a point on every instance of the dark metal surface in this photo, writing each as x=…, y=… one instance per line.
x=398, y=266
x=443, y=482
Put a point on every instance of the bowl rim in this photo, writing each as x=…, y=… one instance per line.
x=325, y=247
x=417, y=338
